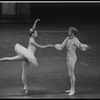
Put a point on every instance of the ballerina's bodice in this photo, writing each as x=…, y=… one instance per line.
x=31, y=45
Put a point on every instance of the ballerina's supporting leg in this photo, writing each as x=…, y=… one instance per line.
x=24, y=65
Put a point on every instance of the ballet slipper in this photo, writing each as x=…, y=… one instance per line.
x=71, y=93
x=25, y=90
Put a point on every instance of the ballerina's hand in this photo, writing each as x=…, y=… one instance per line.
x=37, y=19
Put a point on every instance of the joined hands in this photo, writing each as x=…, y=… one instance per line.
x=57, y=46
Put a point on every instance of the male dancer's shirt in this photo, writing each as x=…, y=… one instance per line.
x=71, y=45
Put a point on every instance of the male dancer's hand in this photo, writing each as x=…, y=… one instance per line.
x=58, y=46
x=88, y=47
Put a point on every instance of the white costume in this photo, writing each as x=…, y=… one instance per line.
x=71, y=45
x=27, y=53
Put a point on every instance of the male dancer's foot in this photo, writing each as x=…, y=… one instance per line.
x=71, y=92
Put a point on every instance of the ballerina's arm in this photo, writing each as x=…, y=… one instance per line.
x=41, y=46
x=34, y=25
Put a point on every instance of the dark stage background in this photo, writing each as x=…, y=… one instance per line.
x=50, y=79
x=84, y=16
x=57, y=17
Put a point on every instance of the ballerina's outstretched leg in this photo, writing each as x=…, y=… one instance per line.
x=14, y=58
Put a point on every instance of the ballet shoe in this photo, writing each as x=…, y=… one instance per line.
x=25, y=87
x=71, y=93
x=25, y=90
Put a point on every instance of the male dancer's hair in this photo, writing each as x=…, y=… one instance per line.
x=74, y=30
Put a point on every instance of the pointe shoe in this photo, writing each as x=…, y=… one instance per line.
x=25, y=87
x=25, y=90
x=71, y=93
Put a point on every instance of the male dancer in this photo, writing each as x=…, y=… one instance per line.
x=71, y=42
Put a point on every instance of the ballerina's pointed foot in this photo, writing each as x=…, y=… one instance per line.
x=25, y=90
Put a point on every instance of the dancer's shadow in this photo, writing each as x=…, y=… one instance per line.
x=44, y=92
x=91, y=91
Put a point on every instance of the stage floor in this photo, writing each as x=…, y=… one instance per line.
x=50, y=79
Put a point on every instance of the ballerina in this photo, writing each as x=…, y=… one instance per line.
x=26, y=55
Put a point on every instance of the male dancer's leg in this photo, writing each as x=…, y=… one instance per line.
x=71, y=64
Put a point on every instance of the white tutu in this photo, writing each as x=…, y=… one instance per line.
x=21, y=50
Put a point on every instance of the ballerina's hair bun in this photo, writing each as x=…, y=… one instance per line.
x=31, y=32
